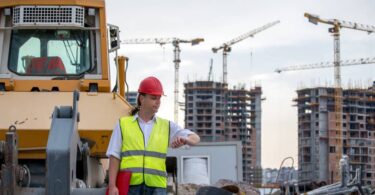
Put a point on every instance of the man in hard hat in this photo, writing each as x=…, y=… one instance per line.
x=139, y=143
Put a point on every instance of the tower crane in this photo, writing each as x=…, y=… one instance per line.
x=361, y=61
x=335, y=30
x=176, y=44
x=226, y=47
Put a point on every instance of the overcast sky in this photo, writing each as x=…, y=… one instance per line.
x=252, y=61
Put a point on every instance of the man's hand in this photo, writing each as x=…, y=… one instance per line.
x=114, y=164
x=178, y=142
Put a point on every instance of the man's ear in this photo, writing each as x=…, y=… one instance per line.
x=141, y=98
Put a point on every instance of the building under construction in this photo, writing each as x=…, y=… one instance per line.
x=217, y=113
x=320, y=133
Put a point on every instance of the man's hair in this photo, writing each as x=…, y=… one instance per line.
x=135, y=110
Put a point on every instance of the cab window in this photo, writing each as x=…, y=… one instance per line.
x=49, y=52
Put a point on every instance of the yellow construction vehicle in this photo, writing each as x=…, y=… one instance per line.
x=48, y=50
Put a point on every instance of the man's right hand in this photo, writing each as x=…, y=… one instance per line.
x=114, y=164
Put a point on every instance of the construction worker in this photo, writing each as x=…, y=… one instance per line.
x=139, y=143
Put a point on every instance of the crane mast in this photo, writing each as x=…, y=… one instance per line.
x=176, y=44
x=210, y=77
x=226, y=47
x=176, y=62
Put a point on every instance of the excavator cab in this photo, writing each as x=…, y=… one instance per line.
x=55, y=40
x=50, y=49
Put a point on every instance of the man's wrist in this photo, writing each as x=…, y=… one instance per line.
x=188, y=141
x=110, y=185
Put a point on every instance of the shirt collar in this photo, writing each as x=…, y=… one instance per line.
x=136, y=116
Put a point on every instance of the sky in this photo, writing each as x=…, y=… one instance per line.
x=294, y=41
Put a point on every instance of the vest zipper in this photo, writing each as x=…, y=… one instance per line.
x=144, y=147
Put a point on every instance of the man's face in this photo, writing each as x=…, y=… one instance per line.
x=150, y=102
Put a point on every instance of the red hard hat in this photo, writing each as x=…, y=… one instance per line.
x=152, y=86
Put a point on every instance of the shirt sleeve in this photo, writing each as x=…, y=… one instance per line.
x=114, y=147
x=176, y=130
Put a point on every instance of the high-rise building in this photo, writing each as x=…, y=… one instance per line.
x=319, y=133
x=217, y=113
x=204, y=109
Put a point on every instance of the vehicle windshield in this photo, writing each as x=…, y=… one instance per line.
x=52, y=52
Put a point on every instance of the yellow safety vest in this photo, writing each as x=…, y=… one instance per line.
x=147, y=163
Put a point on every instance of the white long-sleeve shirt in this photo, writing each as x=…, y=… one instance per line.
x=114, y=147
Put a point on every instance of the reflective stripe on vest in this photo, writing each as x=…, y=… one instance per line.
x=143, y=153
x=147, y=163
